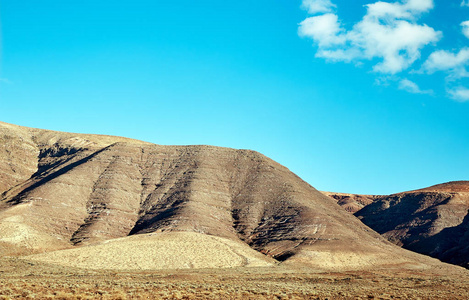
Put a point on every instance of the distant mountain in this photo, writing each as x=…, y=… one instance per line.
x=130, y=204
x=352, y=202
x=432, y=221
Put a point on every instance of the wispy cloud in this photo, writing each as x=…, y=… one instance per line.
x=465, y=3
x=460, y=93
x=412, y=87
x=465, y=28
x=409, y=9
x=318, y=6
x=324, y=29
x=453, y=63
x=388, y=32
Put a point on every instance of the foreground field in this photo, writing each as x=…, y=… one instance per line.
x=32, y=280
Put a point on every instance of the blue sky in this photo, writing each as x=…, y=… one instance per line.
x=353, y=96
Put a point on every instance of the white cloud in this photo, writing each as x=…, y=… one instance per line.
x=442, y=60
x=455, y=66
x=398, y=44
x=460, y=93
x=317, y=6
x=388, y=32
x=465, y=28
x=346, y=55
x=419, y=5
x=406, y=10
x=324, y=29
x=391, y=36
x=412, y=87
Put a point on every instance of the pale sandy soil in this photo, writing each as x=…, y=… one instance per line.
x=172, y=250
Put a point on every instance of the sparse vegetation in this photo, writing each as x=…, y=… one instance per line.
x=20, y=280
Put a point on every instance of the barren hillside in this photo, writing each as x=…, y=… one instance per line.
x=63, y=190
x=432, y=221
x=352, y=202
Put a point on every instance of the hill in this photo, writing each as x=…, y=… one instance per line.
x=352, y=202
x=74, y=199
x=432, y=221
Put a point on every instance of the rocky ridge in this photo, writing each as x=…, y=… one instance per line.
x=432, y=221
x=352, y=202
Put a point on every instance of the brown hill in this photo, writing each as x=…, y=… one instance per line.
x=451, y=187
x=351, y=202
x=63, y=190
x=432, y=221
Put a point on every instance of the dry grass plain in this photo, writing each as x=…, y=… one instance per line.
x=23, y=279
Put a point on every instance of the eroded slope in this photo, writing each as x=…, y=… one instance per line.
x=432, y=221
x=89, y=189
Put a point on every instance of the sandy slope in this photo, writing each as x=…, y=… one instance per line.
x=173, y=250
